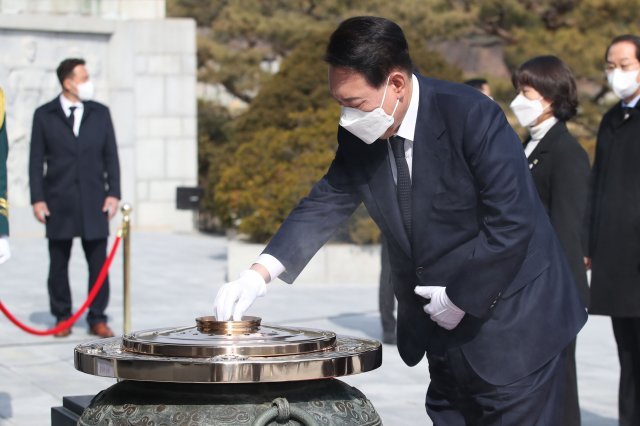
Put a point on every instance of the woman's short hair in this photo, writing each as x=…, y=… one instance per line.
x=553, y=79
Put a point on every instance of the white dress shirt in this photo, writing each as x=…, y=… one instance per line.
x=77, y=114
x=633, y=102
x=406, y=130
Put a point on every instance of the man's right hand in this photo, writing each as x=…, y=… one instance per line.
x=5, y=251
x=40, y=211
x=235, y=297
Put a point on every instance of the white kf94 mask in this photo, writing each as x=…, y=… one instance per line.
x=368, y=125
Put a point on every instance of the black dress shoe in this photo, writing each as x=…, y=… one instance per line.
x=389, y=337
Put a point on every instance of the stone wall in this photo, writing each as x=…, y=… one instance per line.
x=144, y=69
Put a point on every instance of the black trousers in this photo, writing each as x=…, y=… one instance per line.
x=386, y=298
x=572, y=403
x=457, y=396
x=95, y=252
x=627, y=334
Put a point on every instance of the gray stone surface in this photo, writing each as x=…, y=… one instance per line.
x=175, y=277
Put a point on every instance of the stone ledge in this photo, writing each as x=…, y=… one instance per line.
x=332, y=264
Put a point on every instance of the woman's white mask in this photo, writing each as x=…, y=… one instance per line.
x=526, y=110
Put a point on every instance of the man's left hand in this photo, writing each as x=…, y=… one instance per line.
x=441, y=309
x=110, y=206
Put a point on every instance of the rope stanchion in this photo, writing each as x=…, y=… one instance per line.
x=69, y=322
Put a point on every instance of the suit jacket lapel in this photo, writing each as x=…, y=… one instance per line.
x=544, y=146
x=56, y=107
x=88, y=109
x=428, y=159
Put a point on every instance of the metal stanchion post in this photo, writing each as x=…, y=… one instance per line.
x=126, y=266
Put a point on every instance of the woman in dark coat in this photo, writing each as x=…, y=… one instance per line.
x=547, y=98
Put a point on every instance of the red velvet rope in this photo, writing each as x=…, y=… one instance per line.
x=70, y=321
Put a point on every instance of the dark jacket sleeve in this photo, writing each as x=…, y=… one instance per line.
x=569, y=191
x=112, y=163
x=312, y=222
x=592, y=196
x=37, y=154
x=507, y=210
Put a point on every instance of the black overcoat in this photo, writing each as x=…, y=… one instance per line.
x=614, y=220
x=74, y=175
x=560, y=170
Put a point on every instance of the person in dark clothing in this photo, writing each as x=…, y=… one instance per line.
x=614, y=219
x=74, y=177
x=547, y=98
x=480, y=84
x=484, y=289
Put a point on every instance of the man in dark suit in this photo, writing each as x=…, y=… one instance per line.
x=614, y=243
x=481, y=281
x=74, y=176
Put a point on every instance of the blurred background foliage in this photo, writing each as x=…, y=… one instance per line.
x=267, y=125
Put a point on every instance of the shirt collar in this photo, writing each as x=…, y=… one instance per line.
x=633, y=102
x=66, y=104
x=539, y=131
x=407, y=128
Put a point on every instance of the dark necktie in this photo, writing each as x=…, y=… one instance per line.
x=626, y=112
x=403, y=185
x=72, y=116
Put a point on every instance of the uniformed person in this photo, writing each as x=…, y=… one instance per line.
x=5, y=252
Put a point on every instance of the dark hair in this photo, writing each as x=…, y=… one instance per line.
x=371, y=46
x=476, y=83
x=66, y=67
x=635, y=40
x=553, y=79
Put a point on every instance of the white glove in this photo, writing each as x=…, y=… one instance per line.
x=237, y=296
x=441, y=309
x=5, y=251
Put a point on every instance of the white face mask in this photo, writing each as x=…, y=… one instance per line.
x=367, y=125
x=526, y=110
x=85, y=91
x=623, y=83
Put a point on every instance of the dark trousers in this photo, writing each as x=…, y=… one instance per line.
x=386, y=298
x=95, y=252
x=627, y=334
x=572, y=403
x=457, y=396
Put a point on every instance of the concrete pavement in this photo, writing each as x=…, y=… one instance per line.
x=175, y=277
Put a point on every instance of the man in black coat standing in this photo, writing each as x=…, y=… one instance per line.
x=74, y=176
x=614, y=239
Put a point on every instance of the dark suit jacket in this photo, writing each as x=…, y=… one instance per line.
x=478, y=228
x=560, y=170
x=614, y=219
x=74, y=175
